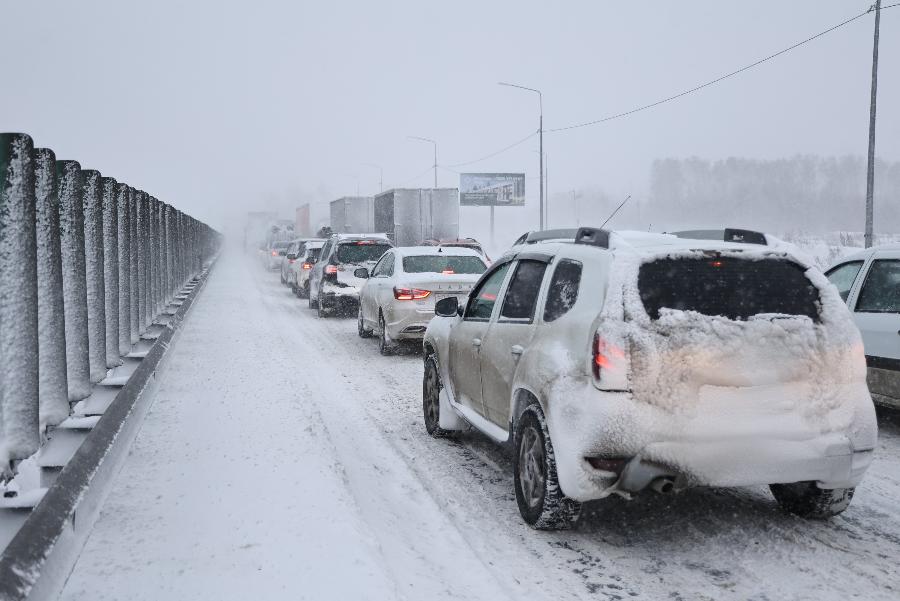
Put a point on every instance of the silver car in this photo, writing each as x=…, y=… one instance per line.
x=397, y=300
x=307, y=255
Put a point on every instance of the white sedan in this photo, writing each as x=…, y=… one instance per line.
x=397, y=300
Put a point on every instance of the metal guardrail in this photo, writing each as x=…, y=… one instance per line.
x=86, y=266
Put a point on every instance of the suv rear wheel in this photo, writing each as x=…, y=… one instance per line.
x=542, y=503
x=809, y=501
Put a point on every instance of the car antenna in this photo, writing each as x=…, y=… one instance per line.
x=616, y=211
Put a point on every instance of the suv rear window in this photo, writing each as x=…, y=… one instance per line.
x=312, y=254
x=360, y=252
x=443, y=264
x=728, y=287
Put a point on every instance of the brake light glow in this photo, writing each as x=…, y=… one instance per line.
x=274, y=253
x=716, y=263
x=365, y=242
x=331, y=269
x=448, y=272
x=411, y=293
x=605, y=356
x=306, y=266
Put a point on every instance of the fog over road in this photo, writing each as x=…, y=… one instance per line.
x=284, y=458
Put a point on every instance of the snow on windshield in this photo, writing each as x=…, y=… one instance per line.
x=356, y=252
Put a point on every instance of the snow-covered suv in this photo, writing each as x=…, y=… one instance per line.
x=619, y=361
x=870, y=283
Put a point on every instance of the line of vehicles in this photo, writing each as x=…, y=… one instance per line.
x=615, y=362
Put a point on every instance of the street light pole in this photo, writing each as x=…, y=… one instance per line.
x=541, y=142
x=380, y=175
x=435, y=154
x=870, y=171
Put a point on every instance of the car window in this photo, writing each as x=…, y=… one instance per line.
x=881, y=291
x=843, y=277
x=326, y=249
x=361, y=252
x=443, y=263
x=312, y=255
x=381, y=268
x=563, y=291
x=481, y=303
x=521, y=296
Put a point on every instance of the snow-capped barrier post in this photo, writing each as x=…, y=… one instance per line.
x=71, y=233
x=163, y=256
x=147, y=242
x=53, y=389
x=134, y=251
x=96, y=288
x=19, y=433
x=152, y=257
x=111, y=269
x=160, y=262
x=123, y=240
x=140, y=203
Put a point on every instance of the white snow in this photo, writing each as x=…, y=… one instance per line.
x=284, y=458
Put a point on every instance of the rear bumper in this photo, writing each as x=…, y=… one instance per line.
x=407, y=322
x=767, y=443
x=334, y=296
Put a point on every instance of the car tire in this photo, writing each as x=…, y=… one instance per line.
x=360, y=327
x=385, y=347
x=807, y=500
x=304, y=291
x=320, y=310
x=431, y=399
x=541, y=502
x=313, y=304
x=282, y=279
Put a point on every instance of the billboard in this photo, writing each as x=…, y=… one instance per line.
x=492, y=189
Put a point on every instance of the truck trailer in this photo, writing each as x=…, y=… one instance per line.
x=352, y=215
x=409, y=216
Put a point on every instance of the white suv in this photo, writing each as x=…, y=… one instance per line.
x=870, y=283
x=621, y=361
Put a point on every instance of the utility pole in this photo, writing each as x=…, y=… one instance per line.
x=541, y=143
x=435, y=154
x=870, y=171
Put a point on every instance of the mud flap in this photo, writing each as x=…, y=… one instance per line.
x=448, y=418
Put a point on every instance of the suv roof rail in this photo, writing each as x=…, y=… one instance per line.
x=592, y=236
x=729, y=234
x=584, y=235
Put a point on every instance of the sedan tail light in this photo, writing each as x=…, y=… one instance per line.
x=306, y=266
x=411, y=293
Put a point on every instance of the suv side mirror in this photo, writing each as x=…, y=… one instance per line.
x=447, y=307
x=361, y=272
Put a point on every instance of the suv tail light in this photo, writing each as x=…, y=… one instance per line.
x=609, y=363
x=306, y=265
x=331, y=270
x=411, y=293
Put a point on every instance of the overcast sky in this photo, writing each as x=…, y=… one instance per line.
x=220, y=106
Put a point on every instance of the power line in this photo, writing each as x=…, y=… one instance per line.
x=493, y=154
x=414, y=178
x=718, y=79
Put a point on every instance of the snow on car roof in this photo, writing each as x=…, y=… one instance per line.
x=454, y=251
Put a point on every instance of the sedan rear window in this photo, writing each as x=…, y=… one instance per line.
x=443, y=264
x=360, y=252
x=734, y=288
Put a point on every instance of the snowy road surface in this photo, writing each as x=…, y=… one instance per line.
x=284, y=458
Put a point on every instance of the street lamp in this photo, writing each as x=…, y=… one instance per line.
x=380, y=176
x=435, y=153
x=541, y=137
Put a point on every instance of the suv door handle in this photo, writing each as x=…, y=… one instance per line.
x=476, y=342
x=516, y=350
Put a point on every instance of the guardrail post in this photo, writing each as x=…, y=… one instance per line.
x=19, y=422
x=71, y=229
x=96, y=288
x=163, y=259
x=146, y=253
x=52, y=387
x=153, y=259
x=141, y=222
x=133, y=261
x=123, y=239
x=111, y=270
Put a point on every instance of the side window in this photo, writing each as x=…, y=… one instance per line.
x=481, y=303
x=563, y=290
x=881, y=291
x=380, y=268
x=521, y=296
x=843, y=277
x=326, y=250
x=389, y=265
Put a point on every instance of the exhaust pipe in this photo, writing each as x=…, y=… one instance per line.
x=663, y=485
